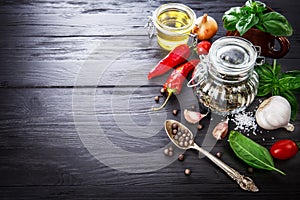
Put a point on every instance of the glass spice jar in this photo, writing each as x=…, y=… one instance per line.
x=173, y=23
x=225, y=79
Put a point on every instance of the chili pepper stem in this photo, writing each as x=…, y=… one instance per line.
x=166, y=101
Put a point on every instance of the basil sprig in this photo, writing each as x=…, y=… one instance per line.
x=272, y=81
x=254, y=14
x=251, y=152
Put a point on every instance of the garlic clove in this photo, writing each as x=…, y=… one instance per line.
x=221, y=130
x=192, y=116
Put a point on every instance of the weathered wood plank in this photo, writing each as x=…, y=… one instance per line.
x=41, y=142
x=116, y=61
x=62, y=44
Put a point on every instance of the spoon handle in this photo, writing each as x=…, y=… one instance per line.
x=244, y=182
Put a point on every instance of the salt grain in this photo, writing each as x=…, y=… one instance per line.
x=245, y=121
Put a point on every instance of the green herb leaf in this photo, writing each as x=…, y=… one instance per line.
x=246, y=22
x=260, y=27
x=276, y=24
x=251, y=152
x=292, y=100
x=231, y=17
x=265, y=73
x=256, y=6
x=290, y=83
x=242, y=19
x=294, y=73
x=264, y=89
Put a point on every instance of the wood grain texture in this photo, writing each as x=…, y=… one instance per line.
x=66, y=62
x=52, y=38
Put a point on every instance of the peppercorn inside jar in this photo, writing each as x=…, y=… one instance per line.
x=173, y=23
x=226, y=81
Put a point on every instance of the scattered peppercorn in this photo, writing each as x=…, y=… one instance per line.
x=199, y=127
x=162, y=90
x=166, y=152
x=219, y=154
x=250, y=170
x=187, y=172
x=156, y=98
x=169, y=151
x=181, y=157
x=175, y=112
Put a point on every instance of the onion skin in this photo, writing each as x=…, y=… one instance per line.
x=205, y=27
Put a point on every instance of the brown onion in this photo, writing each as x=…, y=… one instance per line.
x=205, y=27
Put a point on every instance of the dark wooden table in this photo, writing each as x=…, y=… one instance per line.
x=75, y=107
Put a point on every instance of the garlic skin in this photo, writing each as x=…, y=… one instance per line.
x=192, y=116
x=274, y=113
x=221, y=130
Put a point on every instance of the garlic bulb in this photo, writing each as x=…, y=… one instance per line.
x=274, y=113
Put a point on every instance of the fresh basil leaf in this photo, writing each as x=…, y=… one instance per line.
x=229, y=22
x=292, y=100
x=231, y=17
x=276, y=24
x=251, y=152
x=246, y=22
x=249, y=3
x=247, y=9
x=275, y=91
x=292, y=73
x=259, y=26
x=293, y=85
x=235, y=11
x=256, y=6
x=264, y=72
x=260, y=6
x=290, y=83
x=264, y=89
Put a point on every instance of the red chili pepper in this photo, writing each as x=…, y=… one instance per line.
x=176, y=57
x=173, y=85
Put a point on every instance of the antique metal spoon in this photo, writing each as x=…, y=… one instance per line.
x=244, y=182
